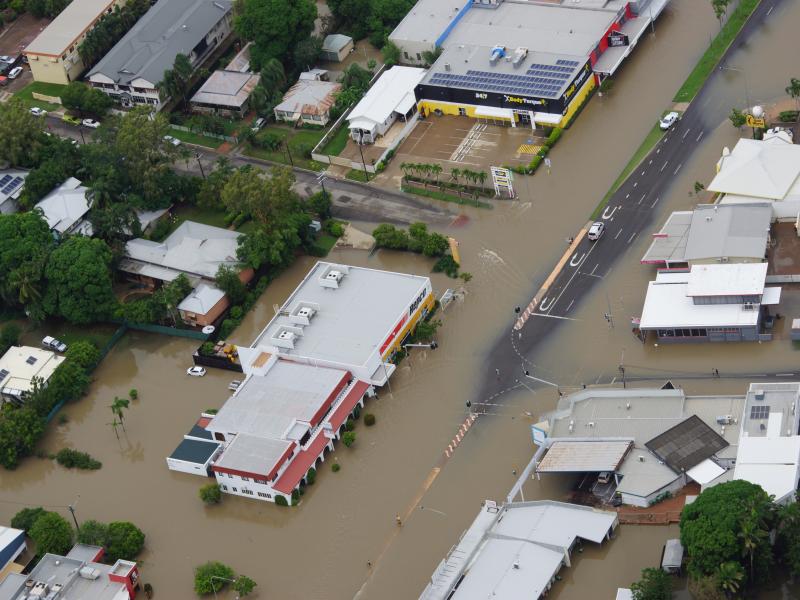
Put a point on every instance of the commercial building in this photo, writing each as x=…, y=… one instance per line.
x=516, y=550
x=525, y=63
x=132, y=70
x=65, y=209
x=11, y=185
x=348, y=318
x=712, y=233
x=336, y=47
x=309, y=100
x=761, y=171
x=391, y=98
x=709, y=303
x=79, y=574
x=53, y=56
x=12, y=545
x=20, y=365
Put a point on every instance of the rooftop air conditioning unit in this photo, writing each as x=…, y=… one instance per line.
x=591, y=423
x=306, y=311
x=89, y=573
x=725, y=419
x=641, y=458
x=447, y=66
x=334, y=275
x=519, y=56
x=286, y=335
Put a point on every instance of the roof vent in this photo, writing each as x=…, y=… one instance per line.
x=332, y=275
x=498, y=52
x=641, y=458
x=446, y=66
x=590, y=423
x=759, y=395
x=286, y=335
x=627, y=406
x=516, y=564
x=519, y=56
x=306, y=311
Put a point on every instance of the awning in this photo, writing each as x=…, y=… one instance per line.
x=772, y=295
x=705, y=472
x=362, y=124
x=492, y=112
x=547, y=118
x=406, y=104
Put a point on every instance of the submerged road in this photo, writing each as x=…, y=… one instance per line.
x=629, y=211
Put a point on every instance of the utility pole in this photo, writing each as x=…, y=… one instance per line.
x=361, y=151
x=289, y=152
x=622, y=368
x=609, y=316
x=200, y=164
x=71, y=508
x=321, y=181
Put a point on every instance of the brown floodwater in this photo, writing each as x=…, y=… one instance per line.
x=320, y=549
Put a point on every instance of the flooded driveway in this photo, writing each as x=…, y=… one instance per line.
x=321, y=549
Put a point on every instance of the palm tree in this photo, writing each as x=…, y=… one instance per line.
x=116, y=408
x=793, y=89
x=26, y=281
x=273, y=77
x=455, y=174
x=482, y=178
x=752, y=536
x=114, y=424
x=436, y=170
x=729, y=577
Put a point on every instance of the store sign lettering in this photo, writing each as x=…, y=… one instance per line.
x=481, y=96
x=415, y=304
x=520, y=100
x=577, y=83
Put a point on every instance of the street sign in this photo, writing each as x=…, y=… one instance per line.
x=547, y=163
x=502, y=181
x=752, y=121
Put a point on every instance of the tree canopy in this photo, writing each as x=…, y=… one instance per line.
x=275, y=27
x=25, y=243
x=20, y=132
x=655, y=584
x=212, y=576
x=85, y=100
x=51, y=533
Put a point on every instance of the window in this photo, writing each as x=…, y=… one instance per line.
x=405, y=54
x=248, y=492
x=261, y=481
x=225, y=487
x=229, y=475
x=418, y=56
x=245, y=479
x=262, y=494
x=234, y=489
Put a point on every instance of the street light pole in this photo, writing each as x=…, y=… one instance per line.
x=71, y=508
x=361, y=151
x=289, y=152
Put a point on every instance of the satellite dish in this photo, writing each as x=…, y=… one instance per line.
x=758, y=112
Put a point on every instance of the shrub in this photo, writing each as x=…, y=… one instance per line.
x=210, y=494
x=369, y=419
x=93, y=533
x=349, y=438
x=349, y=425
x=446, y=264
x=356, y=412
x=25, y=518
x=228, y=327
x=206, y=349
x=134, y=394
x=51, y=533
x=236, y=313
x=270, y=141
x=211, y=577
x=788, y=116
x=125, y=541
x=295, y=497
x=336, y=229
x=84, y=354
x=73, y=459
x=335, y=467
x=554, y=136
x=311, y=476
x=243, y=585
x=211, y=411
x=280, y=500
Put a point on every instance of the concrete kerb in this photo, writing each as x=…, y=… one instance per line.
x=528, y=311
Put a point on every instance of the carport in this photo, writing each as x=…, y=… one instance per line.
x=585, y=456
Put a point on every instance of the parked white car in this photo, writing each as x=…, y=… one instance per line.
x=172, y=140
x=38, y=112
x=52, y=343
x=596, y=231
x=90, y=123
x=195, y=371
x=668, y=120
x=258, y=124
x=15, y=72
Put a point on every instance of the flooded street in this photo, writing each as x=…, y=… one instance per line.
x=320, y=549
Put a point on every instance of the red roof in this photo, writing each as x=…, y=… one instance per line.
x=305, y=458
x=203, y=422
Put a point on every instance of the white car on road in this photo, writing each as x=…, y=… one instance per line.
x=195, y=371
x=38, y=112
x=91, y=123
x=668, y=120
x=596, y=231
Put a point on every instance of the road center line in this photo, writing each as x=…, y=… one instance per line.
x=678, y=169
x=642, y=198
x=661, y=170
x=700, y=137
x=654, y=202
x=615, y=237
x=635, y=183
x=685, y=133
x=633, y=235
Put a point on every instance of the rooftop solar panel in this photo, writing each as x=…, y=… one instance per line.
x=4, y=180
x=12, y=186
x=687, y=444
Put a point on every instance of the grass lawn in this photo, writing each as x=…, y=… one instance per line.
x=49, y=89
x=215, y=218
x=300, y=141
x=715, y=51
x=326, y=241
x=358, y=175
x=194, y=138
x=649, y=142
x=337, y=142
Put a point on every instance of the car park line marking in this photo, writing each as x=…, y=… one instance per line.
x=678, y=169
x=685, y=133
x=699, y=137
x=633, y=235
x=608, y=215
x=642, y=198
x=615, y=237
x=655, y=202
x=664, y=166
x=572, y=262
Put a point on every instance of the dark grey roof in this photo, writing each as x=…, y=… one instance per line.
x=169, y=28
x=194, y=451
x=730, y=230
x=687, y=444
x=199, y=432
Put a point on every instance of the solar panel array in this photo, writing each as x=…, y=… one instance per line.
x=759, y=412
x=9, y=184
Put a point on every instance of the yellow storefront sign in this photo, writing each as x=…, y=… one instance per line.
x=752, y=121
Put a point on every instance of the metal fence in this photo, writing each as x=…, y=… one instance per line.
x=174, y=331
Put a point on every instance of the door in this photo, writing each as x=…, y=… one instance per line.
x=524, y=118
x=462, y=112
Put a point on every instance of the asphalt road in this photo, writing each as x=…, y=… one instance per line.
x=352, y=201
x=629, y=212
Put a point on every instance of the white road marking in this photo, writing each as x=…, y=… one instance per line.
x=633, y=235
x=595, y=269
x=642, y=198
x=572, y=262
x=685, y=133
x=570, y=280
x=678, y=169
x=650, y=162
x=664, y=166
x=570, y=305
x=655, y=202
x=627, y=196
x=544, y=305
x=643, y=171
x=658, y=150
x=608, y=215
x=635, y=183
x=615, y=237
x=700, y=137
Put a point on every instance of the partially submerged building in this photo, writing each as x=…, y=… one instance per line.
x=336, y=47
x=20, y=365
x=515, y=551
x=709, y=303
x=712, y=233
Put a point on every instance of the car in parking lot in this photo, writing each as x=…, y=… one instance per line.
x=668, y=120
x=596, y=231
x=195, y=371
x=91, y=123
x=172, y=140
x=15, y=72
x=52, y=343
x=38, y=112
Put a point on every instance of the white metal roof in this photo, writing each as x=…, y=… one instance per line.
x=65, y=206
x=201, y=299
x=727, y=279
x=20, y=364
x=68, y=27
x=762, y=169
x=227, y=88
x=624, y=594
x=335, y=42
x=705, y=472
x=390, y=93
x=593, y=456
x=252, y=454
x=729, y=230
x=669, y=244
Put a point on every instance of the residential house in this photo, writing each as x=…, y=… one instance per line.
x=65, y=209
x=227, y=92
x=133, y=69
x=308, y=101
x=336, y=47
x=20, y=365
x=54, y=55
x=204, y=305
x=11, y=185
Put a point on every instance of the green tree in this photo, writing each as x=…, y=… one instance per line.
x=275, y=27
x=211, y=577
x=712, y=528
x=52, y=534
x=20, y=131
x=655, y=584
x=228, y=281
x=243, y=585
x=79, y=281
x=83, y=353
x=737, y=118
x=20, y=429
x=348, y=438
x=93, y=533
x=307, y=52
x=793, y=89
x=25, y=243
x=320, y=204
x=391, y=54
x=83, y=99
x=117, y=408
x=720, y=8
x=273, y=76
x=705, y=588
x=25, y=518
x=9, y=336
x=176, y=81
x=210, y=494
x=425, y=330
x=388, y=236
x=125, y=541
x=730, y=576
x=208, y=196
